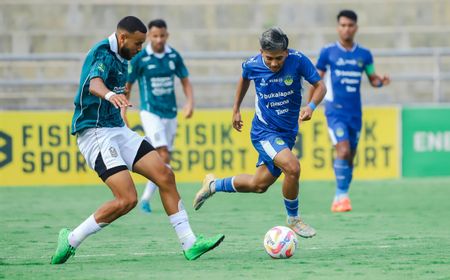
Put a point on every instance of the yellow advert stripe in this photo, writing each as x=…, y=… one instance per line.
x=36, y=148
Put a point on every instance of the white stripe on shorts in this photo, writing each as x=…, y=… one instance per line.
x=268, y=149
x=332, y=136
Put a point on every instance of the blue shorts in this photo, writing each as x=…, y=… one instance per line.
x=268, y=145
x=344, y=128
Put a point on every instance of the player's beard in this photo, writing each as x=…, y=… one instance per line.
x=125, y=53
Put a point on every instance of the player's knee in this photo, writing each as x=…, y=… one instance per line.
x=126, y=204
x=343, y=152
x=292, y=169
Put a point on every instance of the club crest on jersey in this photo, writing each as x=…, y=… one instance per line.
x=360, y=63
x=288, y=80
x=113, y=151
x=171, y=65
x=279, y=141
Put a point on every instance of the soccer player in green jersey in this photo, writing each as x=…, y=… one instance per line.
x=112, y=149
x=155, y=68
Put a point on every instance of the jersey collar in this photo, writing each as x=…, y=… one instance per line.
x=338, y=44
x=114, y=46
x=167, y=49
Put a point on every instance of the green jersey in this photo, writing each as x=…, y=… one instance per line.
x=102, y=61
x=156, y=77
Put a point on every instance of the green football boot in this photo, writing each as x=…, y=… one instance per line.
x=64, y=250
x=203, y=245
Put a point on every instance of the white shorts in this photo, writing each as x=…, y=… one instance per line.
x=160, y=131
x=109, y=148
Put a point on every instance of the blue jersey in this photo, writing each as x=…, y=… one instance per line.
x=279, y=94
x=344, y=69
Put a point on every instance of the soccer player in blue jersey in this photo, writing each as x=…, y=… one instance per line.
x=112, y=149
x=344, y=63
x=278, y=73
x=155, y=68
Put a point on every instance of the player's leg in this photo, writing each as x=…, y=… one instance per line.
x=339, y=134
x=153, y=168
x=290, y=166
x=154, y=129
x=266, y=174
x=257, y=183
x=111, y=168
x=125, y=199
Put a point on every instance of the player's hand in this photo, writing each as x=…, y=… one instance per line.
x=237, y=121
x=123, y=113
x=386, y=80
x=119, y=101
x=188, y=110
x=306, y=114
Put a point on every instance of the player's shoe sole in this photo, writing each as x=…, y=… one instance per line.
x=202, y=246
x=342, y=205
x=205, y=191
x=300, y=228
x=64, y=250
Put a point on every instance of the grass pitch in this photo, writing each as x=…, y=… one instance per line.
x=397, y=230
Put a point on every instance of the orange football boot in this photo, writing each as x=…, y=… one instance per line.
x=341, y=205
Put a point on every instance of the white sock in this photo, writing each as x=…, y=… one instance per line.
x=86, y=228
x=149, y=190
x=180, y=223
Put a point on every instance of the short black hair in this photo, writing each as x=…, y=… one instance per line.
x=273, y=39
x=132, y=24
x=348, y=14
x=158, y=23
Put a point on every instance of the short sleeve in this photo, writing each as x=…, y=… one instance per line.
x=322, y=61
x=180, y=69
x=246, y=70
x=100, y=67
x=308, y=71
x=369, y=58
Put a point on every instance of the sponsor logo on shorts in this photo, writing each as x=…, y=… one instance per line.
x=279, y=141
x=5, y=149
x=113, y=152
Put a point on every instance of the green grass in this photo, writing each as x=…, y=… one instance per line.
x=398, y=230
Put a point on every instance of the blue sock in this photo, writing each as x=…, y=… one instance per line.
x=343, y=172
x=291, y=207
x=225, y=185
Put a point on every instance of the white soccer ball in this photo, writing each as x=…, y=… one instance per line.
x=280, y=242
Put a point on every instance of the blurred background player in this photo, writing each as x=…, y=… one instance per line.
x=111, y=148
x=277, y=73
x=155, y=68
x=344, y=62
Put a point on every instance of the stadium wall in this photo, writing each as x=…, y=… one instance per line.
x=36, y=147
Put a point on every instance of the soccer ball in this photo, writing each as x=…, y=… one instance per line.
x=280, y=242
